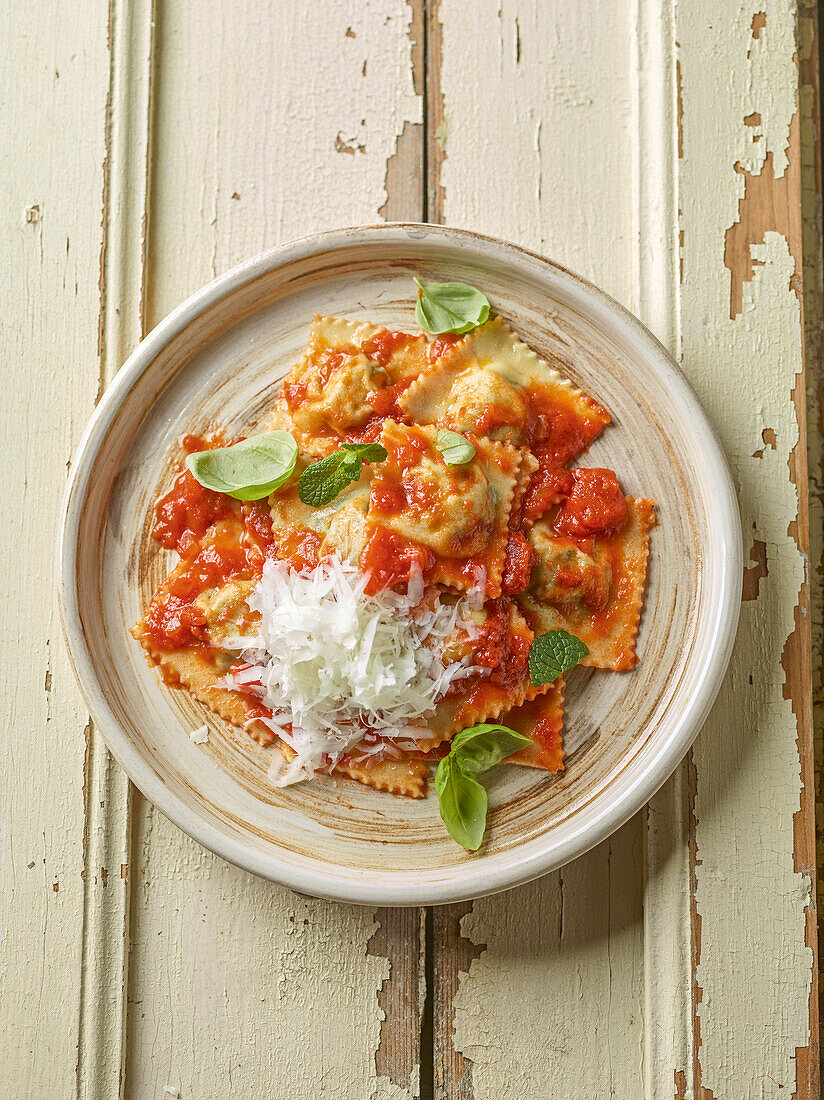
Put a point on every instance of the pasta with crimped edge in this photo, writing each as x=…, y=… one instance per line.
x=457, y=514
x=542, y=720
x=484, y=383
x=603, y=590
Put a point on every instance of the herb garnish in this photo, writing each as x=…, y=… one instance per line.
x=552, y=654
x=248, y=470
x=455, y=448
x=322, y=481
x=462, y=800
x=450, y=307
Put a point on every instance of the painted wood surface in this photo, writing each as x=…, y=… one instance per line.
x=662, y=154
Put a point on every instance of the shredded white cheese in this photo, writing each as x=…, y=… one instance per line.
x=339, y=668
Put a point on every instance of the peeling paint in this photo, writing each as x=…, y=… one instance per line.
x=742, y=351
x=754, y=574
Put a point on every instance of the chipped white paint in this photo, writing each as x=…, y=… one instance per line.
x=755, y=968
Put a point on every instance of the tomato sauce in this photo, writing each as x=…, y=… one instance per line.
x=518, y=563
x=176, y=621
x=389, y=559
x=441, y=345
x=385, y=406
x=500, y=648
x=595, y=505
x=257, y=523
x=382, y=346
x=186, y=512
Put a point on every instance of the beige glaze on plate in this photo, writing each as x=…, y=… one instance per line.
x=218, y=359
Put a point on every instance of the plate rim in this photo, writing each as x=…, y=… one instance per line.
x=416, y=888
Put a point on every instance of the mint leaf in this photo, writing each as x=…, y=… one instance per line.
x=552, y=654
x=369, y=452
x=456, y=449
x=248, y=470
x=322, y=481
x=450, y=307
x=462, y=800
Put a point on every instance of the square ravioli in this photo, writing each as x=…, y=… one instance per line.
x=346, y=382
x=542, y=720
x=593, y=588
x=492, y=384
x=452, y=519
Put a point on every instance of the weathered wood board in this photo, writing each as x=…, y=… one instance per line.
x=658, y=150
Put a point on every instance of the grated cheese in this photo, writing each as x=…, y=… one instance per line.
x=200, y=736
x=340, y=669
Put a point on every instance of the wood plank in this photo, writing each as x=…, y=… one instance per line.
x=809, y=102
x=574, y=108
x=252, y=144
x=52, y=131
x=553, y=999
x=741, y=331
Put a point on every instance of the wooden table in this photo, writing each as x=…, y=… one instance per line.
x=666, y=150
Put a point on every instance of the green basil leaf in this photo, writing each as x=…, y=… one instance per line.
x=552, y=654
x=462, y=800
x=248, y=470
x=369, y=452
x=322, y=481
x=481, y=747
x=450, y=307
x=456, y=449
x=462, y=803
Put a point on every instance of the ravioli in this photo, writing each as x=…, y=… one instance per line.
x=487, y=383
x=456, y=514
x=594, y=589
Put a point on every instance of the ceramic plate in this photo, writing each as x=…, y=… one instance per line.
x=220, y=358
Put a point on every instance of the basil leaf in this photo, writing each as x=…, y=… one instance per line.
x=369, y=452
x=456, y=449
x=462, y=802
x=248, y=470
x=553, y=653
x=450, y=307
x=481, y=747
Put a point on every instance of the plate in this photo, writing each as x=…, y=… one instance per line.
x=219, y=358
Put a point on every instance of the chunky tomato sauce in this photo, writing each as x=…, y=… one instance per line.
x=382, y=346
x=185, y=513
x=518, y=563
x=440, y=346
x=595, y=505
x=389, y=559
x=176, y=621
